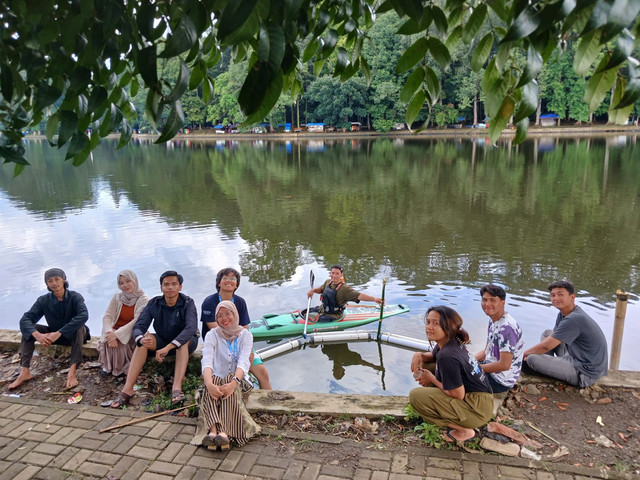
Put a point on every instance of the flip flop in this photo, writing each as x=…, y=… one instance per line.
x=177, y=397
x=451, y=439
x=121, y=400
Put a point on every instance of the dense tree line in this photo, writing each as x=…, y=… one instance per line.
x=77, y=64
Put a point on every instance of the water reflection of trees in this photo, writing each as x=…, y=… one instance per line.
x=433, y=210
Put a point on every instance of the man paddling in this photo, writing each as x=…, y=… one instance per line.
x=334, y=296
x=65, y=314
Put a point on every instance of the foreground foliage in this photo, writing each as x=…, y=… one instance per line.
x=76, y=64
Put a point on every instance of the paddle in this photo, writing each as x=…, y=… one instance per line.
x=384, y=284
x=306, y=317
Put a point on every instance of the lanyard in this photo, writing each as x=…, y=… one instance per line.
x=233, y=350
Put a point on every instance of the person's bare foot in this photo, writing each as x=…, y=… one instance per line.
x=72, y=380
x=25, y=376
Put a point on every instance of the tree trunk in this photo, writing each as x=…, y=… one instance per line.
x=475, y=110
x=538, y=111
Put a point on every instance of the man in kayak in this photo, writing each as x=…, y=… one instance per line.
x=575, y=351
x=334, y=296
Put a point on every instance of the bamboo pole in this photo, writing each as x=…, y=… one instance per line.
x=142, y=419
x=618, y=329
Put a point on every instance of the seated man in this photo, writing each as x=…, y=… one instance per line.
x=65, y=314
x=227, y=282
x=335, y=295
x=577, y=342
x=175, y=321
x=502, y=356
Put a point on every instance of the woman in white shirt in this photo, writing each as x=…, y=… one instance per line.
x=225, y=362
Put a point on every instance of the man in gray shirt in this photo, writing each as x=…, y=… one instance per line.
x=576, y=350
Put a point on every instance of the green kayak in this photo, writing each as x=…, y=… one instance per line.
x=272, y=327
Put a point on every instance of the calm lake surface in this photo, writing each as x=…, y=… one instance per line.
x=437, y=218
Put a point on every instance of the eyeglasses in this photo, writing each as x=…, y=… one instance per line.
x=224, y=315
x=230, y=279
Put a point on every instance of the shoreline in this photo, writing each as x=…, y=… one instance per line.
x=508, y=133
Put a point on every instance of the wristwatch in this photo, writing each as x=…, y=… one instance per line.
x=237, y=379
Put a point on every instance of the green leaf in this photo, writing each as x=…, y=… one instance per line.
x=432, y=84
x=597, y=87
x=501, y=9
x=125, y=134
x=521, y=132
x=197, y=74
x=587, y=51
x=6, y=82
x=501, y=118
x=207, y=89
x=474, y=23
x=632, y=90
x=78, y=142
x=481, y=52
x=68, y=126
x=154, y=106
x=412, y=26
x=411, y=8
x=623, y=49
x=310, y=50
x=182, y=38
x=276, y=47
x=147, y=65
x=342, y=61
x=533, y=67
x=439, y=52
x=175, y=121
x=253, y=90
x=145, y=19
x=529, y=102
x=52, y=128
x=439, y=19
x=234, y=16
x=97, y=98
x=135, y=86
x=365, y=69
x=453, y=38
x=525, y=24
x=619, y=115
x=181, y=84
x=412, y=55
x=269, y=100
x=411, y=85
x=45, y=95
x=414, y=107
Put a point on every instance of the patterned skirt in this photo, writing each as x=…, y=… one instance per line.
x=229, y=415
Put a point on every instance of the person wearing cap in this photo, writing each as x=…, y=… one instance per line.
x=334, y=296
x=66, y=315
x=175, y=321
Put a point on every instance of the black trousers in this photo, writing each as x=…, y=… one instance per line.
x=28, y=346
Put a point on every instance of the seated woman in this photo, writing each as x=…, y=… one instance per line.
x=225, y=362
x=458, y=396
x=116, y=345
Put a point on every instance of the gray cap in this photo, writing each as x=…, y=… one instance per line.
x=54, y=272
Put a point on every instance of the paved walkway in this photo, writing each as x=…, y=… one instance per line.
x=47, y=440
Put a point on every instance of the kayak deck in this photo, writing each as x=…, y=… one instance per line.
x=290, y=324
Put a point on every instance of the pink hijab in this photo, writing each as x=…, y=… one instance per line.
x=232, y=331
x=129, y=299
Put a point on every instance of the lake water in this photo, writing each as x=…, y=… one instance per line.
x=437, y=218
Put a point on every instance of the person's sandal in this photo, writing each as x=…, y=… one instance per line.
x=121, y=400
x=177, y=397
x=222, y=442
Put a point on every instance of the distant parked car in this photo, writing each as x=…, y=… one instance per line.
x=399, y=126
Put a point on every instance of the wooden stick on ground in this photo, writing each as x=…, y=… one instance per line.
x=546, y=435
x=142, y=419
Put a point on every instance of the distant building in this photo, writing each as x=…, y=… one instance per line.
x=315, y=127
x=549, y=120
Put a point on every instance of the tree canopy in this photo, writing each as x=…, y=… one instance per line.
x=77, y=64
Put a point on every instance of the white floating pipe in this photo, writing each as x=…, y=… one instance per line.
x=407, y=342
x=341, y=337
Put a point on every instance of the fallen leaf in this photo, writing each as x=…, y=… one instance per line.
x=533, y=407
x=599, y=421
x=542, y=399
x=622, y=436
x=561, y=408
x=591, y=441
x=563, y=404
x=603, y=401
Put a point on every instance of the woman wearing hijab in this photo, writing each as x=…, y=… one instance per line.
x=116, y=344
x=225, y=363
